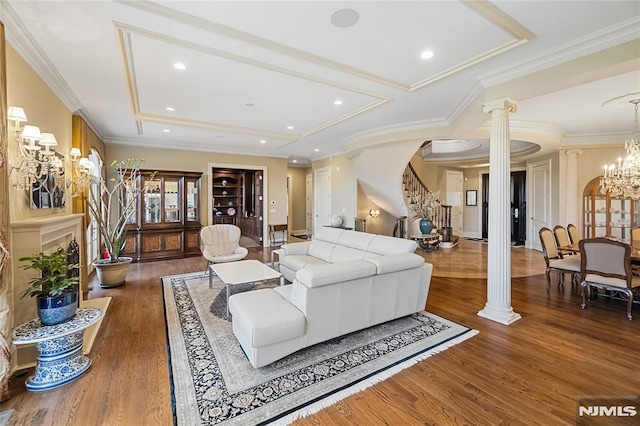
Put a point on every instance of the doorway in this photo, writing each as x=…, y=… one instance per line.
x=322, y=197
x=518, y=222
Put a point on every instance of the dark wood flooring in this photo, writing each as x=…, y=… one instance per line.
x=528, y=373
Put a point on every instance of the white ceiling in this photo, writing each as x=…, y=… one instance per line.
x=255, y=68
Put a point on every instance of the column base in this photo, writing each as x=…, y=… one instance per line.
x=502, y=317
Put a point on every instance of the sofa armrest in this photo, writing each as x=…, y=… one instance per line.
x=396, y=262
x=294, y=248
x=331, y=273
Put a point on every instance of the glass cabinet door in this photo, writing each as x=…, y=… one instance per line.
x=152, y=199
x=193, y=200
x=130, y=201
x=172, y=201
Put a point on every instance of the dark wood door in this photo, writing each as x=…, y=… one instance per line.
x=518, y=207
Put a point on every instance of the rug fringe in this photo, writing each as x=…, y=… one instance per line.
x=360, y=386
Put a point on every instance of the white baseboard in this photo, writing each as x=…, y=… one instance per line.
x=471, y=234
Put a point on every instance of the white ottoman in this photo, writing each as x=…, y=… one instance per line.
x=264, y=319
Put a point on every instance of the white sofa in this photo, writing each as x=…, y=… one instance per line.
x=343, y=281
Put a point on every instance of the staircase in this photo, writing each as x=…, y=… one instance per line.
x=385, y=175
x=414, y=185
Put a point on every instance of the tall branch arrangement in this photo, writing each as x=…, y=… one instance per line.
x=112, y=203
x=423, y=205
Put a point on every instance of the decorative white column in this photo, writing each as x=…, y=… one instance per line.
x=498, y=307
x=572, y=191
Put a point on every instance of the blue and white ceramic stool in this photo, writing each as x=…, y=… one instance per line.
x=60, y=358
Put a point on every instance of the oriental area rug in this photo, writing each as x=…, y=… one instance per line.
x=214, y=383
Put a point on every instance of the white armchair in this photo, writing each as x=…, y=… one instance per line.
x=222, y=244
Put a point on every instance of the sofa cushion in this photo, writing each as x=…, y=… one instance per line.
x=328, y=234
x=299, y=261
x=356, y=240
x=265, y=317
x=344, y=254
x=385, y=245
x=284, y=291
x=397, y=262
x=320, y=275
x=321, y=250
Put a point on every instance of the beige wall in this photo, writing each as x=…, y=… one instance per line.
x=298, y=213
x=168, y=159
x=43, y=109
x=383, y=225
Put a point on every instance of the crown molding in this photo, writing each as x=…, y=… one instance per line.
x=594, y=140
x=25, y=44
x=612, y=36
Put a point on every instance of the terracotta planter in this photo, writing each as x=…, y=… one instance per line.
x=57, y=309
x=112, y=274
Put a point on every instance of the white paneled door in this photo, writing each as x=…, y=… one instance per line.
x=454, y=199
x=539, y=205
x=322, y=197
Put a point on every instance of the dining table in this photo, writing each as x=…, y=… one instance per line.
x=574, y=248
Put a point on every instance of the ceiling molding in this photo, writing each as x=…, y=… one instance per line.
x=595, y=140
x=591, y=43
x=25, y=44
x=223, y=30
x=498, y=18
x=185, y=122
x=189, y=146
x=124, y=32
x=471, y=95
x=484, y=9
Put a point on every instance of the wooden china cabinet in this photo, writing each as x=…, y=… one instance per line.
x=166, y=222
x=605, y=215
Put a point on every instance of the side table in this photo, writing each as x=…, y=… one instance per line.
x=427, y=242
x=60, y=359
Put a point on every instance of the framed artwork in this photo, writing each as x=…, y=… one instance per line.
x=472, y=197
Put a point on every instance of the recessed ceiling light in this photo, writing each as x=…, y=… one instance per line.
x=316, y=150
x=290, y=127
x=170, y=109
x=295, y=161
x=263, y=141
x=344, y=18
x=166, y=130
x=249, y=104
x=337, y=102
x=180, y=66
x=427, y=54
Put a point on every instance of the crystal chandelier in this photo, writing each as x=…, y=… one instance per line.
x=37, y=163
x=623, y=179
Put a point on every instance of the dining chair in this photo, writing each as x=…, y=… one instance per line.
x=574, y=235
x=561, y=235
x=555, y=261
x=606, y=264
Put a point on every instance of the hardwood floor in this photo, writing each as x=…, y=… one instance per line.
x=529, y=372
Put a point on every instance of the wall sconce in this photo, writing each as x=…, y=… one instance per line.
x=374, y=213
x=38, y=163
x=82, y=172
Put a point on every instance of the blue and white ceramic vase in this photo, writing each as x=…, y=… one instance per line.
x=426, y=225
x=57, y=309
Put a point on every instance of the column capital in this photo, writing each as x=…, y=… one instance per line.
x=504, y=103
x=574, y=152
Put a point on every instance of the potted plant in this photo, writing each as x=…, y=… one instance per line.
x=423, y=206
x=55, y=290
x=112, y=204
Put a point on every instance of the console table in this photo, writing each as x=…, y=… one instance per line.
x=60, y=358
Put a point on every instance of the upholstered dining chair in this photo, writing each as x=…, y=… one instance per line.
x=574, y=235
x=635, y=237
x=554, y=260
x=562, y=236
x=606, y=264
x=221, y=244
